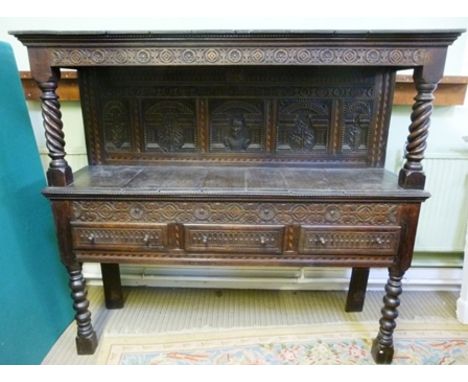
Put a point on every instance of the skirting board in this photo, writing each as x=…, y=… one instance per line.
x=320, y=278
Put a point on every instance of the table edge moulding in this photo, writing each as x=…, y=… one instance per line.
x=237, y=148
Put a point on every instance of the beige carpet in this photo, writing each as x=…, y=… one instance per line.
x=164, y=316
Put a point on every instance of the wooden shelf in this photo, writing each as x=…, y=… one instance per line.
x=451, y=90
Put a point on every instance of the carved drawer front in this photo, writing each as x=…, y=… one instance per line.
x=234, y=239
x=119, y=237
x=346, y=240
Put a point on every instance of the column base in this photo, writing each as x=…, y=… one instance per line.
x=60, y=177
x=411, y=179
x=86, y=345
x=381, y=355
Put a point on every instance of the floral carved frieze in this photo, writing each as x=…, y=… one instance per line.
x=238, y=56
x=235, y=212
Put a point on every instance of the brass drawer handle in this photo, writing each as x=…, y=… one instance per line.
x=321, y=240
x=378, y=241
x=91, y=238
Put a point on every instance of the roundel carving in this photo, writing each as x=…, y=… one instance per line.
x=201, y=212
x=281, y=55
x=136, y=211
x=143, y=56
x=98, y=56
x=235, y=55
x=188, y=55
x=332, y=214
x=373, y=56
x=266, y=212
x=327, y=55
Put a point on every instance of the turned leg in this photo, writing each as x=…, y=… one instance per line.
x=382, y=347
x=357, y=290
x=112, y=286
x=86, y=340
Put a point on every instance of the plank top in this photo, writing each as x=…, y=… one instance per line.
x=224, y=181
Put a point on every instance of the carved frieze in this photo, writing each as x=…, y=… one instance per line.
x=236, y=212
x=238, y=55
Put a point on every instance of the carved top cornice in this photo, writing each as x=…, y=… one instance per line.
x=362, y=48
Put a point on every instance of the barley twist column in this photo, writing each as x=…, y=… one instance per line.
x=412, y=175
x=59, y=173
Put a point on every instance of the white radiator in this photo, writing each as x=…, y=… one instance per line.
x=442, y=223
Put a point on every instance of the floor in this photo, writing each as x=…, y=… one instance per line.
x=175, y=310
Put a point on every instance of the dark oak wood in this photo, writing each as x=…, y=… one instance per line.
x=382, y=347
x=59, y=173
x=86, y=339
x=112, y=286
x=357, y=290
x=450, y=92
x=237, y=148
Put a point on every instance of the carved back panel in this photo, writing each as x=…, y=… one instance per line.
x=237, y=114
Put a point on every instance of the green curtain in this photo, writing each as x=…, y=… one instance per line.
x=35, y=307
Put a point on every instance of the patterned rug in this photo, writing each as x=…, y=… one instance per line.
x=334, y=344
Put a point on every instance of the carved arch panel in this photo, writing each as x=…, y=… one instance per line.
x=116, y=126
x=303, y=126
x=169, y=125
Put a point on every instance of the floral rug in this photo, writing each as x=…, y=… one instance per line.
x=333, y=344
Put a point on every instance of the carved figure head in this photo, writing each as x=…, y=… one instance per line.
x=237, y=125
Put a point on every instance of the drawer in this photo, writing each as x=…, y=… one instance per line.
x=349, y=240
x=115, y=236
x=234, y=238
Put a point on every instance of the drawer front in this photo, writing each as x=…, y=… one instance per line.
x=346, y=240
x=115, y=237
x=234, y=239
